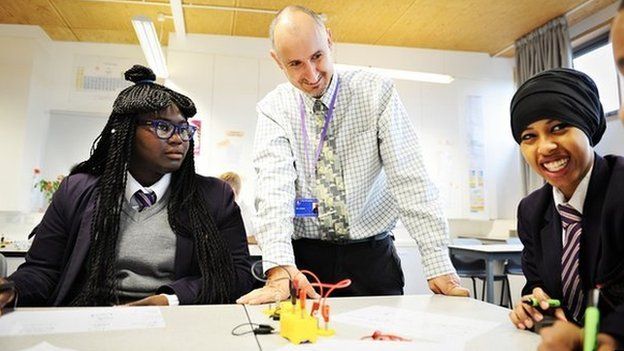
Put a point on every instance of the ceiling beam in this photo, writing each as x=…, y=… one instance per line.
x=178, y=18
x=191, y=6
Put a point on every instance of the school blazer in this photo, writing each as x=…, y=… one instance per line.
x=602, y=242
x=55, y=262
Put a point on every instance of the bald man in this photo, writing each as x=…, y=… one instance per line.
x=338, y=163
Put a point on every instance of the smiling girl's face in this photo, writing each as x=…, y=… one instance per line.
x=557, y=151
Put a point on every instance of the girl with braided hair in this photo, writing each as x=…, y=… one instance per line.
x=134, y=224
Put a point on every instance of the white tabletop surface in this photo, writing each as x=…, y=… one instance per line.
x=186, y=328
x=490, y=248
x=209, y=327
x=503, y=336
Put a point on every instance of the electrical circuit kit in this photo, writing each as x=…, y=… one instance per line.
x=300, y=324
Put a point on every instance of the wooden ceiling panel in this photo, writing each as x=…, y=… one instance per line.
x=107, y=36
x=252, y=24
x=36, y=12
x=466, y=25
x=362, y=21
x=208, y=21
x=111, y=22
x=471, y=25
x=60, y=33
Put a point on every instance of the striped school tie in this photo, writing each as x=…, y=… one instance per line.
x=570, y=279
x=144, y=200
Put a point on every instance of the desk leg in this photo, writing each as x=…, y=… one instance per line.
x=489, y=279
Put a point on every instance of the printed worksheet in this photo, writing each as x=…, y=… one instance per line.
x=421, y=326
x=76, y=320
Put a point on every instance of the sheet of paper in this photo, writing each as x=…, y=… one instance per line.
x=423, y=326
x=44, y=346
x=368, y=345
x=80, y=320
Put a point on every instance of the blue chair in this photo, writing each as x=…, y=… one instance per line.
x=475, y=269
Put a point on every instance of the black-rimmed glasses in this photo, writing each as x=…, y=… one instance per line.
x=165, y=129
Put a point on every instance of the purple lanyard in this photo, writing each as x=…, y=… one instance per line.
x=304, y=130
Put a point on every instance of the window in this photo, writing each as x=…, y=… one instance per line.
x=595, y=58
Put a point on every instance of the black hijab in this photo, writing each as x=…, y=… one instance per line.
x=563, y=94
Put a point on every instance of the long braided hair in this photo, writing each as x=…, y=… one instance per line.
x=110, y=154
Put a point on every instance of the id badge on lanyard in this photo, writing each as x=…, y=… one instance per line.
x=308, y=207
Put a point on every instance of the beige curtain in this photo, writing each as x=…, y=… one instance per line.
x=544, y=48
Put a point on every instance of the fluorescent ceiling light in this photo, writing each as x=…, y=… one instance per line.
x=178, y=18
x=402, y=74
x=144, y=28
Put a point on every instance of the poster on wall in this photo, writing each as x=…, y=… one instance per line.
x=99, y=77
x=476, y=154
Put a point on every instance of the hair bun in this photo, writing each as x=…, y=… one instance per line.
x=140, y=74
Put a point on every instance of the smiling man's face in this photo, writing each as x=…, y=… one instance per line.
x=303, y=52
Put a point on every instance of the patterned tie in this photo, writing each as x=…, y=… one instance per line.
x=570, y=279
x=330, y=188
x=144, y=199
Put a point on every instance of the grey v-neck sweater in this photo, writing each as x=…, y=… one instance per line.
x=145, y=250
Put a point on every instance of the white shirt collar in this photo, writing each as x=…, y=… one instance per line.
x=327, y=95
x=578, y=198
x=159, y=188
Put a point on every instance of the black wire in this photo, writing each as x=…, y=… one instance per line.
x=244, y=325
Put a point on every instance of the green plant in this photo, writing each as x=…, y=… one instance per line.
x=48, y=187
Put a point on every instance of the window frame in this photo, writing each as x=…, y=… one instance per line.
x=594, y=44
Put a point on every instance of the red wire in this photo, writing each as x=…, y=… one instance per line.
x=331, y=287
x=378, y=335
x=318, y=281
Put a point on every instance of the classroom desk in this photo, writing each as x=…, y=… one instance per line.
x=209, y=327
x=491, y=254
x=187, y=328
x=505, y=335
x=15, y=249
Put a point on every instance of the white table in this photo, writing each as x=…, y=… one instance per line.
x=505, y=335
x=187, y=328
x=491, y=254
x=209, y=327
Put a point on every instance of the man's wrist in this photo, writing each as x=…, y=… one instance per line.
x=281, y=272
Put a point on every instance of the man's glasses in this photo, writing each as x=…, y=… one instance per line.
x=165, y=129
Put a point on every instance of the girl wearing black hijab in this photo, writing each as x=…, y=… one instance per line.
x=573, y=227
x=134, y=224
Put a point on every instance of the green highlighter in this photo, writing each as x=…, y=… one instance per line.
x=592, y=321
x=533, y=302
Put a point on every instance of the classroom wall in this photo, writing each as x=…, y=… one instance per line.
x=226, y=76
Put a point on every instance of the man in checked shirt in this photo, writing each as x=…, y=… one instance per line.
x=337, y=164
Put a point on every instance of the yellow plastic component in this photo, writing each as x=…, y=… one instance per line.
x=325, y=332
x=296, y=324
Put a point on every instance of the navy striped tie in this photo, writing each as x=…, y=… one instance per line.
x=144, y=199
x=570, y=279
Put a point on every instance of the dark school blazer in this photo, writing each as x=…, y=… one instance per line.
x=601, y=257
x=55, y=262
